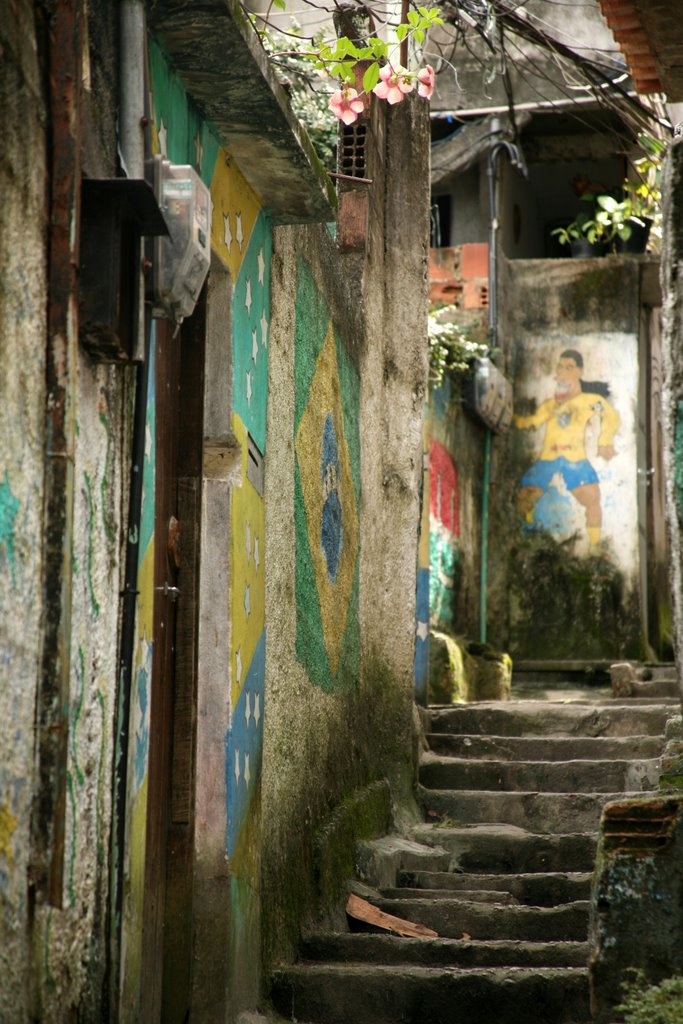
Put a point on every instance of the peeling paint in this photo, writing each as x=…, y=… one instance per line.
x=9, y=506
x=8, y=825
x=94, y=603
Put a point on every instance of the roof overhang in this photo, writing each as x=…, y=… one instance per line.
x=650, y=35
x=226, y=72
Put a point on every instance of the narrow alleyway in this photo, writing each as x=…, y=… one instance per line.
x=501, y=869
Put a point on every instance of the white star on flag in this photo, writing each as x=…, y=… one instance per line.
x=257, y=557
x=257, y=708
x=247, y=770
x=423, y=630
x=247, y=600
x=248, y=541
x=237, y=765
x=261, y=266
x=227, y=232
x=264, y=330
x=247, y=297
x=248, y=387
x=163, y=138
x=254, y=345
x=238, y=666
x=239, y=234
x=247, y=708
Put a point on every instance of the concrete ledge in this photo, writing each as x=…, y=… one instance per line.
x=225, y=70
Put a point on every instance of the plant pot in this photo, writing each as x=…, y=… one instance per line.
x=637, y=242
x=582, y=249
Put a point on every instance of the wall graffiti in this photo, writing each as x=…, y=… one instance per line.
x=327, y=494
x=421, y=666
x=444, y=532
x=563, y=464
x=9, y=507
x=572, y=565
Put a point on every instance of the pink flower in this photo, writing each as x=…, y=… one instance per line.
x=346, y=105
x=427, y=80
x=394, y=85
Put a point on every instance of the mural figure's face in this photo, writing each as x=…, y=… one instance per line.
x=568, y=377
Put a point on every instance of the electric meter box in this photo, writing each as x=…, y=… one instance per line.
x=489, y=396
x=181, y=258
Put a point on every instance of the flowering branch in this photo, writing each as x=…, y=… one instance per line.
x=383, y=76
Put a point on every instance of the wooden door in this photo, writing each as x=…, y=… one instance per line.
x=169, y=839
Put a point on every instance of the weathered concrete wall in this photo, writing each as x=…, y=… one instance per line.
x=53, y=960
x=347, y=379
x=672, y=391
x=636, y=922
x=22, y=343
x=564, y=540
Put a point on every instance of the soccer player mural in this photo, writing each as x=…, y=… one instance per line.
x=563, y=456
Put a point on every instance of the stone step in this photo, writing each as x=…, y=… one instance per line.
x=371, y=948
x=651, y=689
x=544, y=889
x=373, y=994
x=437, y=772
x=486, y=849
x=543, y=718
x=455, y=919
x=543, y=813
x=545, y=748
x=469, y=895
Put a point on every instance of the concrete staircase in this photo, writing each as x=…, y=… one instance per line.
x=501, y=869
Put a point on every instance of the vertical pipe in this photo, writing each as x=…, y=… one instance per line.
x=485, y=537
x=132, y=152
x=492, y=324
x=52, y=705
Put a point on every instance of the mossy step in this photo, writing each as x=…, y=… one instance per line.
x=487, y=849
x=393, y=950
x=543, y=718
x=545, y=748
x=455, y=918
x=608, y=776
x=373, y=994
x=542, y=813
x=544, y=889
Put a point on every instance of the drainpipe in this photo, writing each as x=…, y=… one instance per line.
x=517, y=160
x=133, y=117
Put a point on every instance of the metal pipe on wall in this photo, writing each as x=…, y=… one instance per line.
x=133, y=146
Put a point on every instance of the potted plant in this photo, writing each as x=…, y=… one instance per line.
x=587, y=235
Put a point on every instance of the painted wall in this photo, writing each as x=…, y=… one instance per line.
x=345, y=442
x=241, y=241
x=564, y=482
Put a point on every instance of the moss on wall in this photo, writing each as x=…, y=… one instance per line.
x=564, y=605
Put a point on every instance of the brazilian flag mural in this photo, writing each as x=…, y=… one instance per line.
x=327, y=494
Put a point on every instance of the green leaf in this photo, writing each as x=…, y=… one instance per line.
x=413, y=18
x=419, y=35
x=280, y=4
x=608, y=203
x=371, y=77
x=402, y=32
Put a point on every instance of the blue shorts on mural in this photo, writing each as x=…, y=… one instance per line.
x=574, y=474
